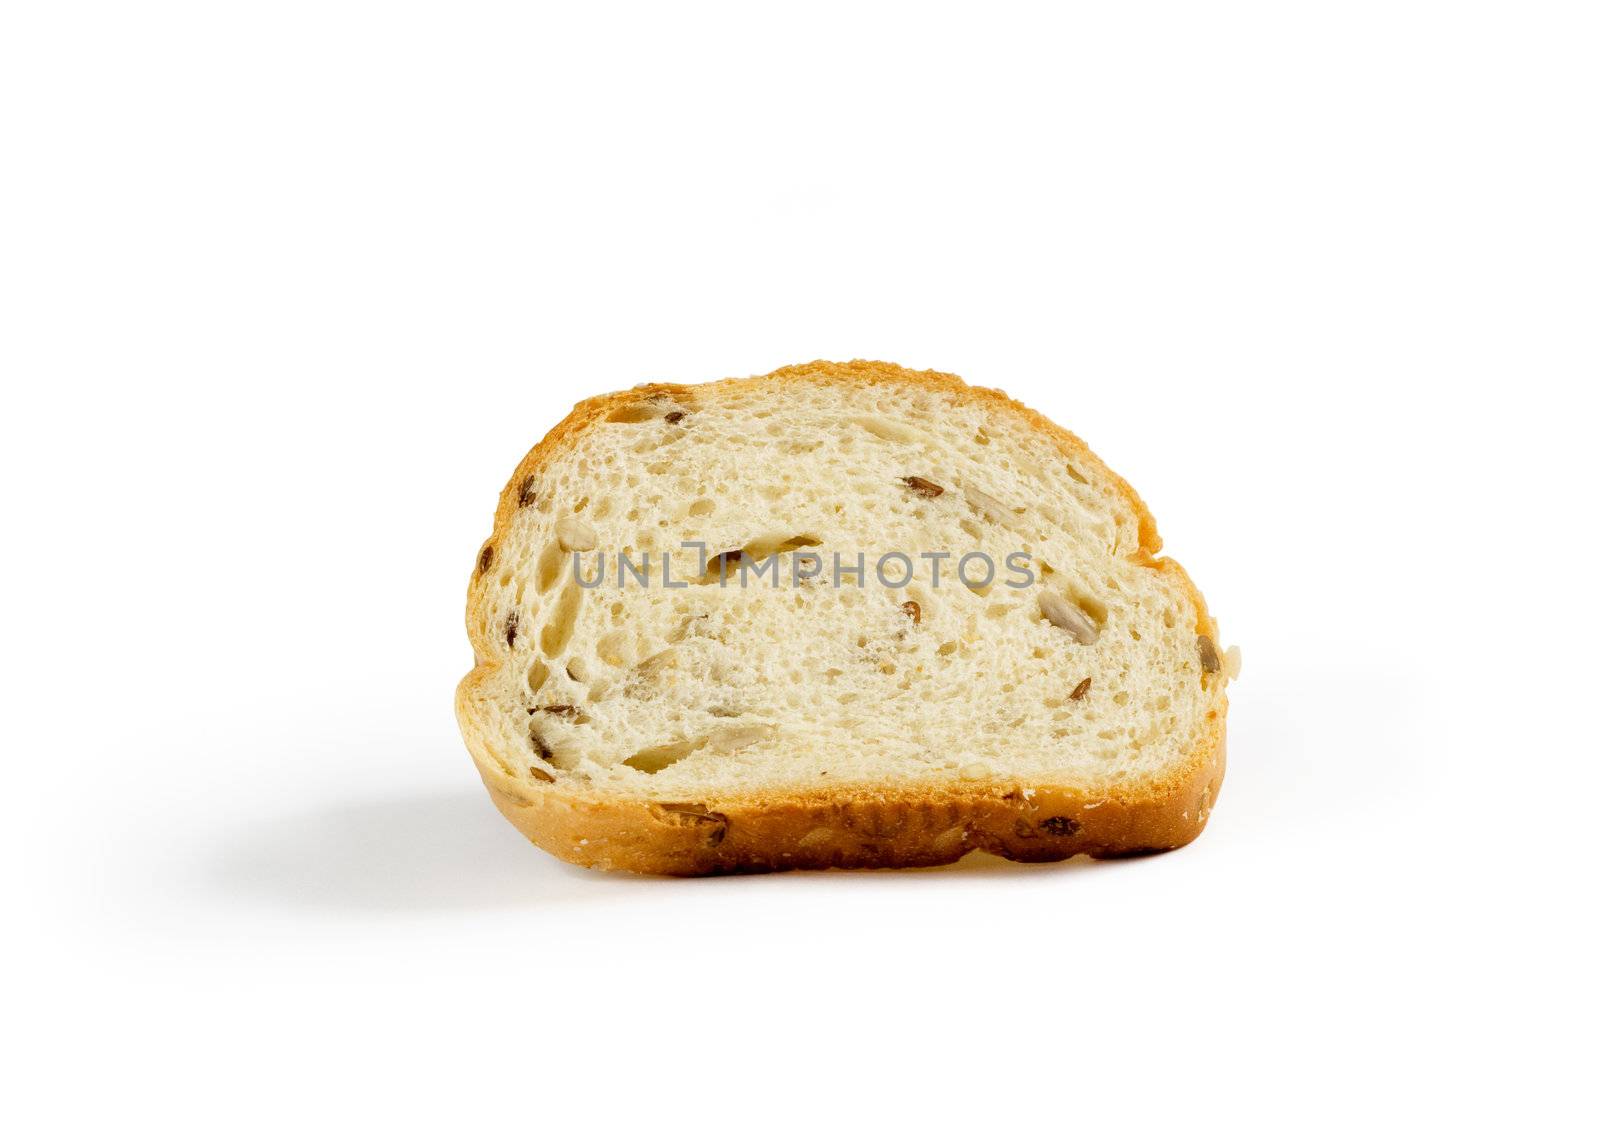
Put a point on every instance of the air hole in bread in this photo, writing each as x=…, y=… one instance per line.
x=641, y=411
x=891, y=430
x=557, y=633
x=654, y=759
x=616, y=648
x=752, y=556
x=551, y=560
x=1092, y=607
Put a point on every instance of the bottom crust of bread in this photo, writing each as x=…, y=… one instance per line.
x=911, y=826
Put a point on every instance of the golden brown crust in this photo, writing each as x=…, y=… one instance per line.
x=859, y=828
x=843, y=826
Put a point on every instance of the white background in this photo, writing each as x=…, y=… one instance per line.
x=289, y=289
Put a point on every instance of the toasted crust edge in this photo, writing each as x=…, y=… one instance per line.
x=845, y=826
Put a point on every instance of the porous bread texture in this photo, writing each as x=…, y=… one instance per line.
x=1103, y=679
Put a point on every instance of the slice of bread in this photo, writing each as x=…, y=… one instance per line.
x=783, y=698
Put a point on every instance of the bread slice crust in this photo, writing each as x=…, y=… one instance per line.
x=902, y=824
